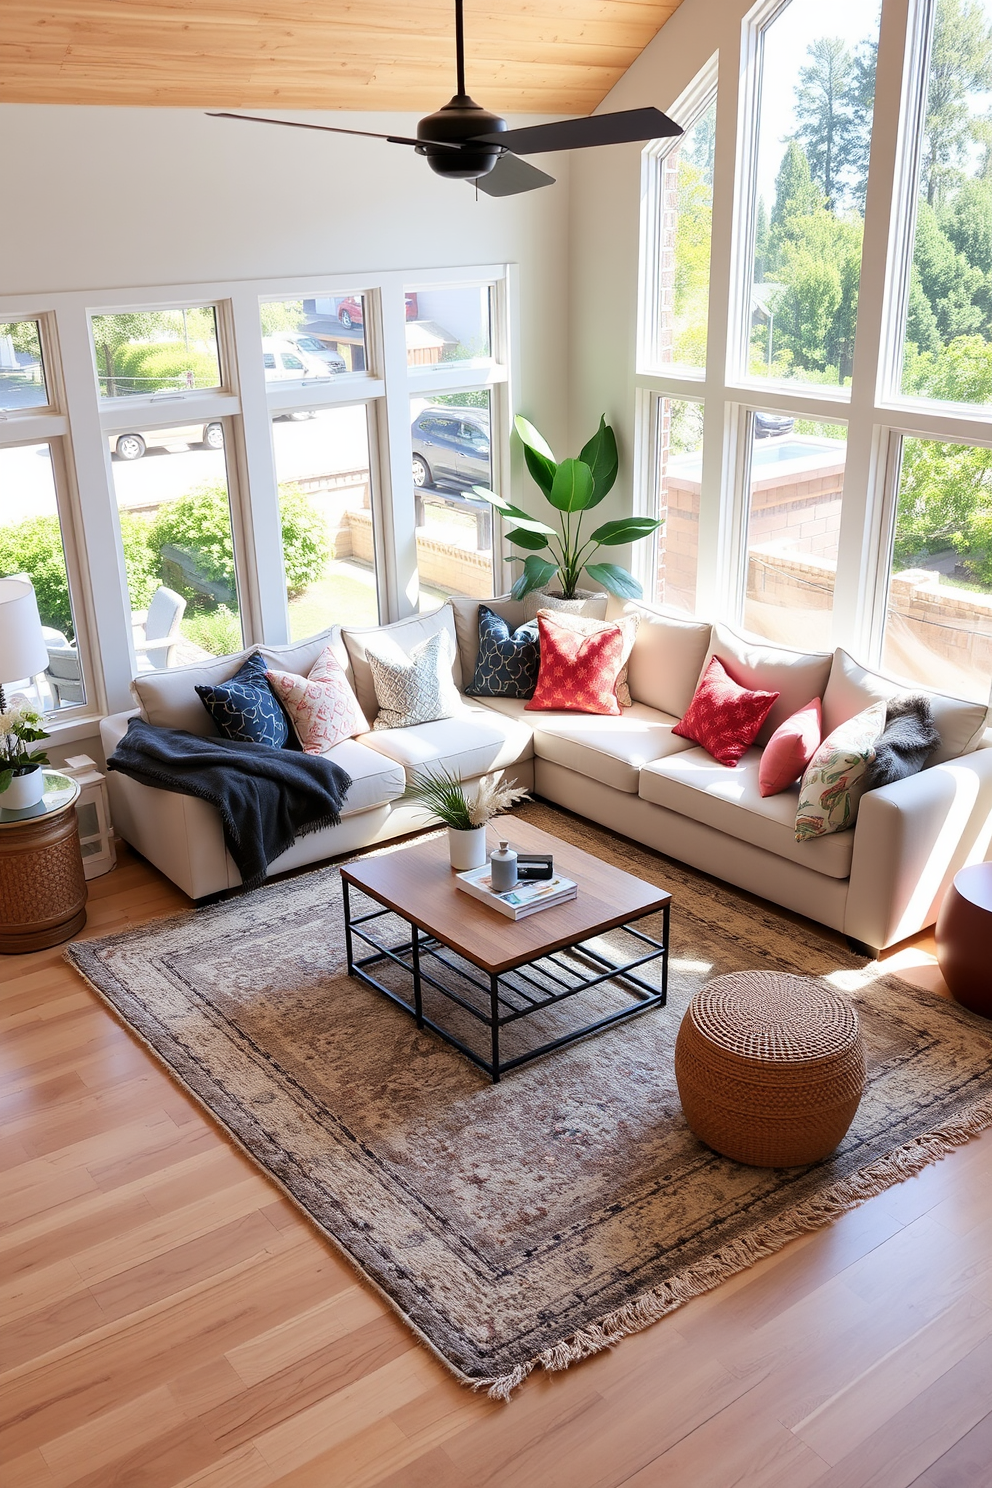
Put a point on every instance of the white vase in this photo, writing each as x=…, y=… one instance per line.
x=24, y=790
x=587, y=602
x=467, y=849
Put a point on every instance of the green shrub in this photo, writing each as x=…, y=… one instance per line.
x=140, y=559
x=34, y=547
x=142, y=368
x=217, y=631
x=306, y=543
x=200, y=524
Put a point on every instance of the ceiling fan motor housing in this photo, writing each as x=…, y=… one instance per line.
x=460, y=120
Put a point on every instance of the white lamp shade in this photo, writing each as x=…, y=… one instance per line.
x=23, y=652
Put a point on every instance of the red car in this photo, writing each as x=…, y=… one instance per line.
x=350, y=310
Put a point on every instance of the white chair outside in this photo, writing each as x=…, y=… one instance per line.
x=156, y=630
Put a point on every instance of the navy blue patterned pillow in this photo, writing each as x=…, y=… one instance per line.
x=507, y=664
x=246, y=708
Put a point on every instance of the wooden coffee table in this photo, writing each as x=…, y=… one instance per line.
x=524, y=963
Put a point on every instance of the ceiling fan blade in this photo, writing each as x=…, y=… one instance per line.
x=578, y=134
x=510, y=175
x=394, y=139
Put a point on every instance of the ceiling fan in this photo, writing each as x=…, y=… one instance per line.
x=468, y=143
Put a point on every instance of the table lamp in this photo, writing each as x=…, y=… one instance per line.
x=23, y=652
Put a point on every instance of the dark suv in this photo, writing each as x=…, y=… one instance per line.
x=450, y=456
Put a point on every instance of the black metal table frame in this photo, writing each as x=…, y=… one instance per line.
x=410, y=956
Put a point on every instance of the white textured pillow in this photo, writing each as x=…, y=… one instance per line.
x=413, y=689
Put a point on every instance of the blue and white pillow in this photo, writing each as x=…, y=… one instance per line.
x=246, y=708
x=508, y=663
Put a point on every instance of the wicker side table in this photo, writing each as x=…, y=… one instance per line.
x=42, y=886
x=770, y=1067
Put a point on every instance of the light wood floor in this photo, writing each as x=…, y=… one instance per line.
x=167, y=1318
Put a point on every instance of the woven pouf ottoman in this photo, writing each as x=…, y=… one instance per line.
x=770, y=1067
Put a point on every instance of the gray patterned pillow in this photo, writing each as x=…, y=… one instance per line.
x=413, y=689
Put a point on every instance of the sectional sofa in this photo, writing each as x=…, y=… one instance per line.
x=877, y=884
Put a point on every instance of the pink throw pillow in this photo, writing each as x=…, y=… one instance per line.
x=790, y=749
x=321, y=707
x=724, y=717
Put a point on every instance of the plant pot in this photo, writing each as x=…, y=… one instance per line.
x=25, y=789
x=589, y=602
x=467, y=849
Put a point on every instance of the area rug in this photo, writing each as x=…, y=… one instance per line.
x=534, y=1222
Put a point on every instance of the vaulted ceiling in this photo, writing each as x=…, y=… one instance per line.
x=523, y=56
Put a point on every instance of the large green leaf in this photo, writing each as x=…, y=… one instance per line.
x=600, y=454
x=572, y=489
x=537, y=572
x=625, y=530
x=527, y=539
x=542, y=469
x=532, y=438
x=511, y=513
x=616, y=579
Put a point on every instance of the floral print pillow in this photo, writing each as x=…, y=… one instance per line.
x=834, y=781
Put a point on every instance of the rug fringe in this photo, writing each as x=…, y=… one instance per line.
x=905, y=1162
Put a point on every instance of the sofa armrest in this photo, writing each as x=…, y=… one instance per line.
x=181, y=835
x=911, y=838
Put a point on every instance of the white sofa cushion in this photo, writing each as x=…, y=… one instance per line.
x=168, y=699
x=375, y=780
x=472, y=742
x=466, y=617
x=667, y=656
x=728, y=799
x=404, y=633
x=300, y=656
x=852, y=688
x=797, y=676
x=608, y=749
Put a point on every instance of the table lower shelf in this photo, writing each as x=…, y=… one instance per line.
x=497, y=1001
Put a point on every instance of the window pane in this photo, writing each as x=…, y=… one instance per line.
x=448, y=325
x=31, y=544
x=797, y=486
x=153, y=351
x=812, y=169
x=948, y=337
x=175, y=516
x=322, y=464
x=451, y=454
x=313, y=338
x=939, y=618
x=684, y=248
x=22, y=368
x=680, y=470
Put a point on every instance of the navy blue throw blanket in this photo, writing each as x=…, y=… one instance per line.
x=266, y=797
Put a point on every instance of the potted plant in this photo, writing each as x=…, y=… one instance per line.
x=22, y=782
x=466, y=815
x=572, y=487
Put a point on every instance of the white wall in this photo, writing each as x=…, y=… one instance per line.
x=106, y=197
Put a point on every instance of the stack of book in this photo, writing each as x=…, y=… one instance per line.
x=516, y=903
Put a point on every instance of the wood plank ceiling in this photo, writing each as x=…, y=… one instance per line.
x=532, y=56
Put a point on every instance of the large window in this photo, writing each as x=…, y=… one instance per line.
x=849, y=502
x=797, y=488
x=31, y=543
x=938, y=624
x=144, y=352
x=22, y=366
x=175, y=520
x=680, y=467
x=948, y=330
x=325, y=511
x=816, y=87
x=451, y=453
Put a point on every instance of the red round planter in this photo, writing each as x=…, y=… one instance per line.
x=964, y=938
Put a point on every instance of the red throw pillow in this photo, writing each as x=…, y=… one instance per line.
x=790, y=749
x=723, y=717
x=578, y=673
